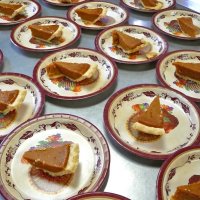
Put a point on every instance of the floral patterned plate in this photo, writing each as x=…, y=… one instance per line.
x=31, y=107
x=115, y=15
x=166, y=22
x=59, y=3
x=62, y=88
x=181, y=168
x=32, y=9
x=21, y=35
x=137, y=5
x=181, y=121
x=166, y=73
x=98, y=196
x=104, y=40
x=51, y=130
x=1, y=57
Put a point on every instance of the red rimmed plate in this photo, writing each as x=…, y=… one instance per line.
x=166, y=22
x=99, y=196
x=48, y=130
x=181, y=168
x=115, y=15
x=159, y=46
x=165, y=71
x=31, y=107
x=181, y=121
x=137, y=5
x=32, y=10
x=21, y=35
x=59, y=3
x=1, y=57
x=68, y=90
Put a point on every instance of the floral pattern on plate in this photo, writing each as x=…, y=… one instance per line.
x=32, y=9
x=21, y=36
x=166, y=21
x=181, y=169
x=166, y=73
x=119, y=110
x=115, y=15
x=59, y=3
x=104, y=44
x=94, y=156
x=62, y=88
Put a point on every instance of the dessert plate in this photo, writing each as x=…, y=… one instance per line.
x=51, y=130
x=181, y=168
x=165, y=71
x=32, y=9
x=98, y=196
x=21, y=35
x=1, y=57
x=166, y=22
x=181, y=121
x=137, y=5
x=59, y=3
x=115, y=15
x=103, y=43
x=65, y=89
x=31, y=106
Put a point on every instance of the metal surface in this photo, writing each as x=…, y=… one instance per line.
x=130, y=175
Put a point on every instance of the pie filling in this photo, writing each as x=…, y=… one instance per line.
x=151, y=4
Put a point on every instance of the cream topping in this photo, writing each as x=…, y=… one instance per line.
x=18, y=11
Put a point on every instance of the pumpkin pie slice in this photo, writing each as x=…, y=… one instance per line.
x=11, y=9
x=151, y=4
x=46, y=32
x=91, y=15
x=188, y=70
x=187, y=192
x=11, y=100
x=151, y=121
x=187, y=26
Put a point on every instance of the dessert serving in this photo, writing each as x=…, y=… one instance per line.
x=151, y=4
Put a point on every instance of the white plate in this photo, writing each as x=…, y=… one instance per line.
x=49, y=130
x=166, y=22
x=182, y=126
x=115, y=14
x=104, y=40
x=32, y=105
x=166, y=73
x=63, y=89
x=21, y=35
x=32, y=9
x=180, y=169
x=58, y=3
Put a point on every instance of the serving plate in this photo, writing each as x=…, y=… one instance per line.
x=1, y=57
x=181, y=121
x=103, y=43
x=165, y=71
x=32, y=10
x=51, y=130
x=68, y=90
x=31, y=106
x=21, y=35
x=59, y=3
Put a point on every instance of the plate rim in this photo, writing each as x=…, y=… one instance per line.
x=1, y=57
x=167, y=163
x=34, y=120
x=47, y=93
x=63, y=4
x=68, y=15
x=166, y=45
x=21, y=47
x=158, y=66
x=168, y=34
x=120, y=142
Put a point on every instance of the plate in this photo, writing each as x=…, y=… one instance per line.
x=49, y=130
x=1, y=57
x=98, y=196
x=181, y=168
x=21, y=35
x=166, y=22
x=32, y=10
x=181, y=121
x=31, y=107
x=115, y=14
x=103, y=43
x=58, y=3
x=68, y=90
x=166, y=73
x=136, y=5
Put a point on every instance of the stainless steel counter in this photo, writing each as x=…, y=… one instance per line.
x=129, y=175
